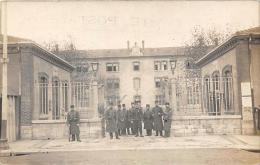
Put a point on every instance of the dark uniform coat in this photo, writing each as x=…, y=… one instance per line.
x=121, y=116
x=167, y=117
x=111, y=120
x=137, y=117
x=148, y=119
x=157, y=118
x=128, y=119
x=130, y=116
x=73, y=119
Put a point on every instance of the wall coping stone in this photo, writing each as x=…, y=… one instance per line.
x=207, y=117
x=63, y=121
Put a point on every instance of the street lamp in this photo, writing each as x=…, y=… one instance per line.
x=94, y=66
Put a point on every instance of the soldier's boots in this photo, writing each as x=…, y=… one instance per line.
x=117, y=136
x=158, y=132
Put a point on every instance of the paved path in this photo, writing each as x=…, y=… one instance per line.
x=138, y=143
x=202, y=156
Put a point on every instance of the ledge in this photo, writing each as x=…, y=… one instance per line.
x=63, y=121
x=206, y=117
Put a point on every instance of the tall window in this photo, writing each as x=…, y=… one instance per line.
x=160, y=82
x=160, y=99
x=157, y=65
x=164, y=65
x=112, y=67
x=136, y=66
x=207, y=92
x=137, y=98
x=43, y=92
x=137, y=83
x=161, y=65
x=215, y=94
x=227, y=89
x=55, y=99
x=157, y=82
x=65, y=96
x=112, y=90
x=113, y=83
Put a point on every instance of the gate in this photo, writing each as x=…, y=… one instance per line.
x=202, y=96
x=53, y=100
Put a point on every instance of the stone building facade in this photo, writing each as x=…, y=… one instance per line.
x=29, y=65
x=237, y=58
x=131, y=74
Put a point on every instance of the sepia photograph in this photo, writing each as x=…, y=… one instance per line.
x=149, y=82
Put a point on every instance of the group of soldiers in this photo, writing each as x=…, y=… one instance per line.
x=130, y=122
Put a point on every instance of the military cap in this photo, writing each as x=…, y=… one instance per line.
x=147, y=105
x=71, y=106
x=167, y=103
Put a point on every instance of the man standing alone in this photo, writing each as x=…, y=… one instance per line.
x=148, y=120
x=121, y=120
x=157, y=116
x=138, y=118
x=167, y=117
x=111, y=122
x=73, y=120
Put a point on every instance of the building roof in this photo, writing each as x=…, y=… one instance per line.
x=53, y=57
x=119, y=53
x=12, y=39
x=228, y=45
x=255, y=30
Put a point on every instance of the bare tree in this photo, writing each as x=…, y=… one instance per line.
x=204, y=40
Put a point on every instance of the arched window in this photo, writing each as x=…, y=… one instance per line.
x=137, y=83
x=43, y=93
x=215, y=94
x=55, y=99
x=206, y=87
x=227, y=89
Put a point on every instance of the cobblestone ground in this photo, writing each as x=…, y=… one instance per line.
x=139, y=157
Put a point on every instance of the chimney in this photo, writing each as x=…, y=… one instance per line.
x=143, y=45
x=128, y=45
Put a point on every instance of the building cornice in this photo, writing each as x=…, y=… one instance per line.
x=130, y=57
x=41, y=53
x=230, y=44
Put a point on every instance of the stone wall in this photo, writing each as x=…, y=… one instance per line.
x=206, y=125
x=51, y=129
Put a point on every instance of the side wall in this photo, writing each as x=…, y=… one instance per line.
x=217, y=65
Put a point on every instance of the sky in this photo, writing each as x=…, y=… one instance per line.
x=109, y=24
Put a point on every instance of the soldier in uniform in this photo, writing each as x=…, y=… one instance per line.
x=127, y=121
x=131, y=118
x=157, y=118
x=138, y=119
x=73, y=120
x=121, y=116
x=167, y=117
x=111, y=122
x=148, y=120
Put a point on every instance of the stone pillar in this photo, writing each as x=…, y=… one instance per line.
x=4, y=61
x=173, y=97
x=247, y=110
x=95, y=99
